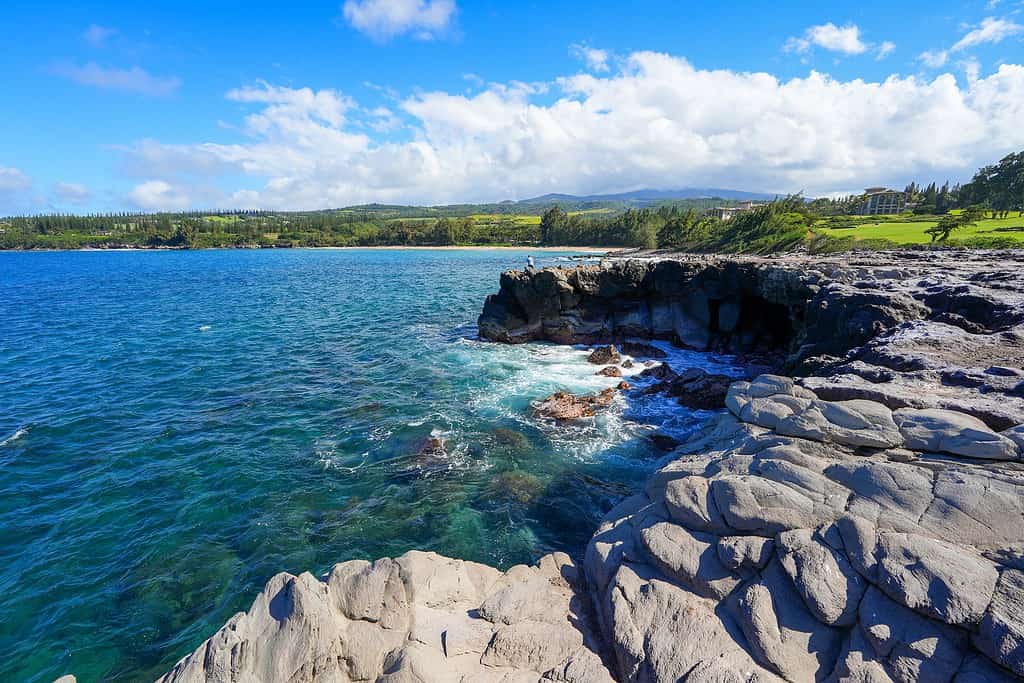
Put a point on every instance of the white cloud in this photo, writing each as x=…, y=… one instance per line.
x=159, y=195
x=15, y=191
x=327, y=106
x=71, y=193
x=934, y=58
x=135, y=79
x=595, y=59
x=657, y=122
x=884, y=49
x=990, y=30
x=13, y=180
x=97, y=35
x=385, y=19
x=972, y=69
x=845, y=39
x=383, y=120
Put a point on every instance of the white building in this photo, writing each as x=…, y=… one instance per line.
x=880, y=200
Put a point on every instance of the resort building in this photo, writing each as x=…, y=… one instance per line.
x=881, y=200
x=725, y=213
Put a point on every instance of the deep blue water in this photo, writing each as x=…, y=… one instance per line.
x=177, y=427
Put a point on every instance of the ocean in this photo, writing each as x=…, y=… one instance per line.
x=177, y=427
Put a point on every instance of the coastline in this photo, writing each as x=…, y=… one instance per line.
x=788, y=540
x=588, y=250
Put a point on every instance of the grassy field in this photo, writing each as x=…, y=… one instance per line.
x=521, y=219
x=517, y=218
x=910, y=231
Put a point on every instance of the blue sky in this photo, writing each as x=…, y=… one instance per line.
x=156, y=106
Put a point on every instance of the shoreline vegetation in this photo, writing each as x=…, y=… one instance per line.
x=987, y=212
x=392, y=247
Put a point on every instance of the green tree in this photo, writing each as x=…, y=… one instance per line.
x=950, y=222
x=552, y=226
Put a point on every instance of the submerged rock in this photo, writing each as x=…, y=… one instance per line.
x=431, y=449
x=610, y=371
x=511, y=439
x=520, y=487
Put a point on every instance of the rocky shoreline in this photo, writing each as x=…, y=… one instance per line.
x=859, y=520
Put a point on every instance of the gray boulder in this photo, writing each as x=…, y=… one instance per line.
x=977, y=507
x=781, y=633
x=947, y=431
x=938, y=579
x=745, y=552
x=829, y=586
x=662, y=632
x=690, y=502
x=689, y=556
x=852, y=423
x=1001, y=633
x=892, y=495
x=911, y=647
x=1016, y=435
x=764, y=507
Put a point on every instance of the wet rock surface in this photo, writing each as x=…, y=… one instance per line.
x=565, y=406
x=693, y=388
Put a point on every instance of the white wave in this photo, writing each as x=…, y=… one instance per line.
x=22, y=431
x=205, y=328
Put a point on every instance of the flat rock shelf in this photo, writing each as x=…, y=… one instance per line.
x=857, y=517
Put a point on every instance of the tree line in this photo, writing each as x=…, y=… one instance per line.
x=996, y=189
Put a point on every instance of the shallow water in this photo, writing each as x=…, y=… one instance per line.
x=176, y=427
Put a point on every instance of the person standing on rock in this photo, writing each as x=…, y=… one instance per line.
x=529, y=262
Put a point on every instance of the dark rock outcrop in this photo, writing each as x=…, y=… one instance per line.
x=693, y=388
x=906, y=329
x=604, y=355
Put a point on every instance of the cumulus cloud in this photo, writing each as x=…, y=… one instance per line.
x=159, y=195
x=990, y=30
x=656, y=122
x=97, y=35
x=595, y=59
x=385, y=19
x=71, y=193
x=15, y=190
x=845, y=39
x=135, y=79
x=13, y=180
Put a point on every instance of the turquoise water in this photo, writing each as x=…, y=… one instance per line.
x=177, y=427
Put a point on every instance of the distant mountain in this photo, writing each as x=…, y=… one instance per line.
x=649, y=196
x=699, y=198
